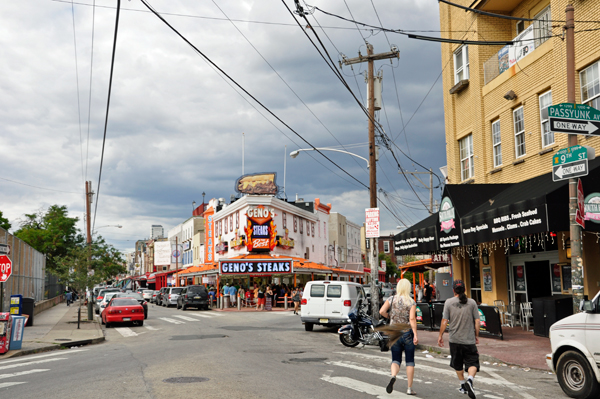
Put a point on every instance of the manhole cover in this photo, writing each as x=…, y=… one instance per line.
x=192, y=337
x=308, y=359
x=185, y=380
x=62, y=339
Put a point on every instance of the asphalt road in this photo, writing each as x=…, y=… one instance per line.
x=206, y=354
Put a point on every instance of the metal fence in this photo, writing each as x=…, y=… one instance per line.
x=28, y=271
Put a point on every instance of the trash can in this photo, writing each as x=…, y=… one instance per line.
x=5, y=330
x=16, y=338
x=27, y=308
x=225, y=299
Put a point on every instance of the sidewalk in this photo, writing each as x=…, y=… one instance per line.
x=519, y=347
x=56, y=328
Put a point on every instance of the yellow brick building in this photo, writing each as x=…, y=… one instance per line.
x=496, y=131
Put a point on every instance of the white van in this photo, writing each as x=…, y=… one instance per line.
x=575, y=356
x=327, y=302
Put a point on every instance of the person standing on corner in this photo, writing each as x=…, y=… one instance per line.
x=427, y=291
x=296, y=299
x=463, y=315
x=232, y=296
x=402, y=309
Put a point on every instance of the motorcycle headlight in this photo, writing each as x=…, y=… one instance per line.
x=349, y=320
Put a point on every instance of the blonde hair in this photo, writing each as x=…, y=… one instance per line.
x=403, y=291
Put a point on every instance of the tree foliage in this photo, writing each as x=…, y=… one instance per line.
x=4, y=222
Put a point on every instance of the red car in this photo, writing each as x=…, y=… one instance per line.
x=123, y=310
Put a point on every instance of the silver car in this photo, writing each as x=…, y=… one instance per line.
x=170, y=296
x=147, y=294
x=104, y=302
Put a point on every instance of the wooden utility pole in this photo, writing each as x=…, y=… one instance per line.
x=372, y=160
x=88, y=221
x=576, y=261
x=177, y=261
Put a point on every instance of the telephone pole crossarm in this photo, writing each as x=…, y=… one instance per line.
x=374, y=57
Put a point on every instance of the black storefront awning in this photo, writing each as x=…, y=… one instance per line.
x=478, y=213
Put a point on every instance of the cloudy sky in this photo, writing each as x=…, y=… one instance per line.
x=175, y=124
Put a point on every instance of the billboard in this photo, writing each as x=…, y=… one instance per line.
x=258, y=183
x=162, y=253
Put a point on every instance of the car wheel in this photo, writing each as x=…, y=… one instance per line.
x=107, y=325
x=145, y=315
x=101, y=321
x=576, y=377
x=141, y=323
x=308, y=326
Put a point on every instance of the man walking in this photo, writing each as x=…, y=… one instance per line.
x=462, y=314
x=427, y=291
x=68, y=297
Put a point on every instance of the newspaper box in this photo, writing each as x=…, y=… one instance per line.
x=5, y=331
x=18, y=325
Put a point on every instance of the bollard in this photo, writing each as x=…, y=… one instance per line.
x=285, y=304
x=220, y=305
x=225, y=304
x=239, y=303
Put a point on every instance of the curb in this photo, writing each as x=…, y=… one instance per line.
x=487, y=358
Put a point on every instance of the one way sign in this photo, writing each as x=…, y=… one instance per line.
x=575, y=126
x=573, y=119
x=570, y=170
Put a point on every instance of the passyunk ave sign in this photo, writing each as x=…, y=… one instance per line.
x=574, y=119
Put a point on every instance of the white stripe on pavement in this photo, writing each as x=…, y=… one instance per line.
x=171, y=320
x=518, y=389
x=493, y=397
x=61, y=353
x=201, y=315
x=364, y=387
x=151, y=328
x=32, y=363
x=17, y=374
x=186, y=318
x=360, y=367
x=9, y=384
x=126, y=332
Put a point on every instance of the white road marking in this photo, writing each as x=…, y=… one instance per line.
x=151, y=328
x=186, y=318
x=201, y=315
x=359, y=367
x=126, y=332
x=364, y=387
x=497, y=380
x=32, y=363
x=493, y=397
x=9, y=384
x=171, y=320
x=518, y=389
x=61, y=353
x=17, y=374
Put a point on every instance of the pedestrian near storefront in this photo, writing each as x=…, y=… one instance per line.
x=419, y=293
x=463, y=316
x=427, y=291
x=401, y=309
x=232, y=296
x=296, y=299
x=260, y=301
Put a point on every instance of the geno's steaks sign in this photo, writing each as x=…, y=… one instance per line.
x=258, y=266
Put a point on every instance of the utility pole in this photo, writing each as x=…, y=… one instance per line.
x=576, y=261
x=88, y=202
x=177, y=261
x=372, y=160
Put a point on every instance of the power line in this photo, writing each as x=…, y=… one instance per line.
x=77, y=84
x=41, y=188
x=87, y=154
x=244, y=90
x=112, y=66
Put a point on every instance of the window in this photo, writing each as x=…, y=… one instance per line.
x=230, y=222
x=467, y=169
x=301, y=226
x=519, y=123
x=547, y=135
x=312, y=228
x=308, y=229
x=461, y=64
x=295, y=224
x=225, y=231
x=386, y=247
x=317, y=291
x=590, y=86
x=497, y=143
x=520, y=27
x=284, y=220
x=237, y=220
x=542, y=27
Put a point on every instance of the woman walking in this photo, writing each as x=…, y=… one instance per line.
x=260, y=299
x=296, y=299
x=401, y=309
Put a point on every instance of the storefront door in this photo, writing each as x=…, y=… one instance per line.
x=475, y=280
x=530, y=276
x=539, y=282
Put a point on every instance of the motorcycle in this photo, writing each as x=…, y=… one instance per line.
x=361, y=329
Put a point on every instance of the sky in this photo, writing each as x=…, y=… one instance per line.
x=177, y=127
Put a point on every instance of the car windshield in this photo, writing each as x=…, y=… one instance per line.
x=196, y=290
x=134, y=295
x=148, y=291
x=123, y=302
x=109, y=295
x=176, y=290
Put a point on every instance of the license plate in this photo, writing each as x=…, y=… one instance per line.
x=126, y=318
x=323, y=320
x=196, y=297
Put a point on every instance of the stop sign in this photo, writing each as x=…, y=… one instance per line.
x=5, y=268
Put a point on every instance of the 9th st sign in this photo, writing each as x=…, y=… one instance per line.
x=5, y=268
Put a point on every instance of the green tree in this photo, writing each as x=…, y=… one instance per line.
x=4, y=223
x=390, y=265
x=52, y=232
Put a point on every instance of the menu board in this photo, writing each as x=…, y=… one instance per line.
x=556, y=283
x=566, y=277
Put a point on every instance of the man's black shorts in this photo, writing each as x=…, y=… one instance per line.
x=464, y=356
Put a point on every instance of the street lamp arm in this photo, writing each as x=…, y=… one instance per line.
x=294, y=154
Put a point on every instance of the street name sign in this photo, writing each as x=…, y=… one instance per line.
x=5, y=268
x=574, y=119
x=569, y=163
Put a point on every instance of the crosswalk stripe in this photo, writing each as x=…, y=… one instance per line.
x=201, y=315
x=61, y=353
x=359, y=367
x=171, y=320
x=363, y=387
x=32, y=363
x=126, y=332
x=186, y=318
x=10, y=384
x=19, y=373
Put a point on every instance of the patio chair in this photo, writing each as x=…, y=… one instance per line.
x=512, y=314
x=502, y=310
x=526, y=314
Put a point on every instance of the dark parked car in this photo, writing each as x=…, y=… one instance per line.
x=159, y=297
x=137, y=297
x=194, y=296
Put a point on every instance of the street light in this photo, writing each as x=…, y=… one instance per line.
x=294, y=154
x=108, y=225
